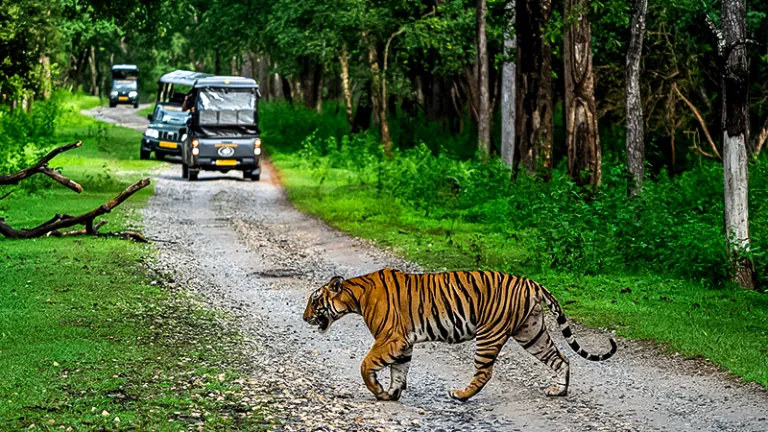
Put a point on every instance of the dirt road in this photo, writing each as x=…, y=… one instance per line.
x=245, y=249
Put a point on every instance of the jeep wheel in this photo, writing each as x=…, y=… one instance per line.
x=249, y=175
x=112, y=104
x=136, y=105
x=184, y=171
x=144, y=154
x=193, y=172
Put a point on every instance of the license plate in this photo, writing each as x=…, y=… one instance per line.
x=168, y=144
x=123, y=98
x=226, y=162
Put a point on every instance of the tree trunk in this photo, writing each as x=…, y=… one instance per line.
x=582, y=139
x=483, y=110
x=635, y=135
x=535, y=124
x=319, y=99
x=735, y=77
x=508, y=100
x=47, y=79
x=286, y=88
x=379, y=105
x=94, y=74
x=344, y=60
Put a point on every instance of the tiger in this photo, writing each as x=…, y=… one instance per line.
x=403, y=309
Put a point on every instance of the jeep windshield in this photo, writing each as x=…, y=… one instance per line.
x=170, y=115
x=227, y=111
x=125, y=85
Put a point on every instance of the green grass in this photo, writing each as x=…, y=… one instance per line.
x=83, y=331
x=726, y=325
x=144, y=111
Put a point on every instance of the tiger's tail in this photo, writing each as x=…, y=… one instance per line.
x=555, y=308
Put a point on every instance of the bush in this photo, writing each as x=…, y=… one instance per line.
x=674, y=226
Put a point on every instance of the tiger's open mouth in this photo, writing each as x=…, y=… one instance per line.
x=321, y=322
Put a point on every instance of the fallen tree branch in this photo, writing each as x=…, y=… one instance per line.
x=701, y=121
x=7, y=195
x=41, y=167
x=59, y=222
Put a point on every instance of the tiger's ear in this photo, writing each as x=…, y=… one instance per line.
x=335, y=285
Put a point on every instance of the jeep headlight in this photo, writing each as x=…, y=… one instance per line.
x=152, y=133
x=113, y=93
x=132, y=94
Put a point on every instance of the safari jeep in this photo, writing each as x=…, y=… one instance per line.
x=223, y=128
x=125, y=85
x=168, y=122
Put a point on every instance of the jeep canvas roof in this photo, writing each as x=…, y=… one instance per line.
x=182, y=77
x=226, y=82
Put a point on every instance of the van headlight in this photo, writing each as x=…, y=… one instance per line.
x=113, y=93
x=132, y=94
x=152, y=133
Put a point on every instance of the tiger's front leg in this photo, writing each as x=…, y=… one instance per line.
x=379, y=357
x=398, y=381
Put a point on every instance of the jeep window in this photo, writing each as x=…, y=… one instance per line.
x=227, y=99
x=125, y=85
x=170, y=115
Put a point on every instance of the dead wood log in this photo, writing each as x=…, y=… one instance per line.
x=62, y=221
x=41, y=167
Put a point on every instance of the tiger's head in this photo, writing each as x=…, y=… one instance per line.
x=327, y=304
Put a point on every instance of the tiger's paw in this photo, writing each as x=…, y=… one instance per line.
x=459, y=395
x=384, y=396
x=556, y=391
x=395, y=394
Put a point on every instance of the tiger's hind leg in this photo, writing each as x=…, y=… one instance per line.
x=399, y=374
x=534, y=337
x=487, y=348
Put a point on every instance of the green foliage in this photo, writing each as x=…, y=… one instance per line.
x=675, y=224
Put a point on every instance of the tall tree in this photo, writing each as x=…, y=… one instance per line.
x=483, y=111
x=582, y=139
x=534, y=94
x=635, y=135
x=508, y=88
x=735, y=124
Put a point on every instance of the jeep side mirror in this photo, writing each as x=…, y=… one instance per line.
x=149, y=117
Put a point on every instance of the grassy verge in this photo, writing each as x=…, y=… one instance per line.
x=726, y=325
x=87, y=341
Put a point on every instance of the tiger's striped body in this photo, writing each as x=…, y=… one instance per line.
x=403, y=309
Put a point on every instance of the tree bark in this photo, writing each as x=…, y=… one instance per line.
x=483, y=110
x=379, y=105
x=94, y=74
x=535, y=123
x=635, y=135
x=346, y=90
x=582, y=139
x=508, y=99
x=735, y=123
